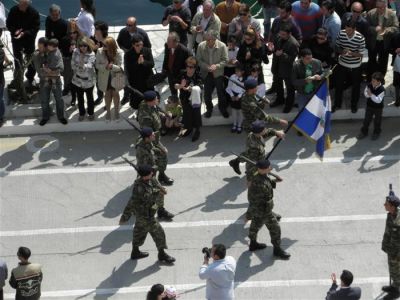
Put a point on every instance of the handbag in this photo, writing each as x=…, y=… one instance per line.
x=118, y=80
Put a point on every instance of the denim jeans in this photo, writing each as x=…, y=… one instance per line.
x=46, y=89
x=2, y=106
x=269, y=12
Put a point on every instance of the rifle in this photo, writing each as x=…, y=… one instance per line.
x=391, y=193
x=131, y=164
x=277, y=177
x=132, y=124
x=239, y=84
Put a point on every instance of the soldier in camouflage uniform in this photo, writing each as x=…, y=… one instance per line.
x=149, y=116
x=252, y=110
x=147, y=154
x=260, y=195
x=143, y=204
x=391, y=245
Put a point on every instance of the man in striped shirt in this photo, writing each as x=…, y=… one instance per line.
x=350, y=45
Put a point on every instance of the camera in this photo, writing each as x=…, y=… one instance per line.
x=206, y=251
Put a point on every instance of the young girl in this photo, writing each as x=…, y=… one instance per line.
x=374, y=92
x=255, y=74
x=174, y=109
x=235, y=92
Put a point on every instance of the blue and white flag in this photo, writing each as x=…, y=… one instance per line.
x=315, y=120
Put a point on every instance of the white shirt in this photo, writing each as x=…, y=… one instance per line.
x=2, y=16
x=85, y=22
x=220, y=277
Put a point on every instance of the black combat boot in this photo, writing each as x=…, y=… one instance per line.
x=137, y=254
x=279, y=252
x=164, y=214
x=234, y=163
x=164, y=257
x=394, y=293
x=164, y=179
x=254, y=246
x=388, y=288
x=277, y=216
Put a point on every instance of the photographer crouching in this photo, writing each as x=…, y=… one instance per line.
x=220, y=274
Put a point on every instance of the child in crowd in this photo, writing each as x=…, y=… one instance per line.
x=174, y=109
x=235, y=91
x=374, y=92
x=232, y=54
x=255, y=74
x=55, y=64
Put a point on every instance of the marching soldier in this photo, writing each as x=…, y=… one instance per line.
x=148, y=154
x=149, y=116
x=260, y=195
x=391, y=245
x=143, y=204
x=252, y=110
x=255, y=146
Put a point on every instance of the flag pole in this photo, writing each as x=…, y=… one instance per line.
x=301, y=110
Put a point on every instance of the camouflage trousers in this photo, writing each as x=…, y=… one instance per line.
x=143, y=226
x=394, y=269
x=160, y=201
x=161, y=158
x=268, y=219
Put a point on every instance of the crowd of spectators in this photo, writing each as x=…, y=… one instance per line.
x=223, y=44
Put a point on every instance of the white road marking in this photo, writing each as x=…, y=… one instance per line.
x=187, y=287
x=201, y=165
x=50, y=231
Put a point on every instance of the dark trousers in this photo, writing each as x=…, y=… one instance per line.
x=171, y=81
x=26, y=48
x=67, y=73
x=46, y=88
x=1, y=294
x=372, y=113
x=191, y=117
x=81, y=100
x=377, y=59
x=280, y=96
x=209, y=84
x=344, y=78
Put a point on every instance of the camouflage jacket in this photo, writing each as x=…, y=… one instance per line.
x=150, y=117
x=391, y=237
x=260, y=194
x=145, y=154
x=142, y=203
x=252, y=111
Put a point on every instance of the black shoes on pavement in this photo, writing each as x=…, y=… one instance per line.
x=137, y=254
x=393, y=292
x=164, y=214
x=164, y=179
x=234, y=163
x=254, y=246
x=164, y=257
x=280, y=253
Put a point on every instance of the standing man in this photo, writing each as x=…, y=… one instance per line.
x=331, y=21
x=175, y=55
x=226, y=11
x=253, y=110
x=149, y=116
x=23, y=22
x=56, y=27
x=285, y=50
x=220, y=274
x=355, y=15
x=178, y=18
x=270, y=11
x=143, y=204
x=346, y=292
x=147, y=153
x=260, y=195
x=212, y=56
x=391, y=245
x=3, y=277
x=383, y=24
x=27, y=277
x=350, y=46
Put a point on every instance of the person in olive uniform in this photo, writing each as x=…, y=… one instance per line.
x=391, y=245
x=260, y=195
x=147, y=153
x=149, y=116
x=143, y=204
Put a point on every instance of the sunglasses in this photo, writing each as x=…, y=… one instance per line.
x=137, y=45
x=130, y=25
x=242, y=14
x=356, y=11
x=85, y=46
x=190, y=67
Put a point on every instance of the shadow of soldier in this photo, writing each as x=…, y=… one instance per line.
x=233, y=233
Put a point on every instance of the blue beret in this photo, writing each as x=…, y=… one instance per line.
x=263, y=164
x=250, y=83
x=257, y=126
x=150, y=95
x=146, y=132
x=144, y=170
x=393, y=199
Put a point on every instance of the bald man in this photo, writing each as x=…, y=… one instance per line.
x=124, y=39
x=356, y=15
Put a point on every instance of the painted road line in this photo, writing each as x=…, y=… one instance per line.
x=90, y=229
x=195, y=286
x=201, y=165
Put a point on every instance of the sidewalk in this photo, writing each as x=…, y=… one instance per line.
x=23, y=118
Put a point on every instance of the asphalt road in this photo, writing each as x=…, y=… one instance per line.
x=62, y=196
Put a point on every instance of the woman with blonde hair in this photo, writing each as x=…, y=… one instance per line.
x=111, y=78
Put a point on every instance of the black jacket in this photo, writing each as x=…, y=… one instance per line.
x=351, y=293
x=282, y=65
x=56, y=30
x=139, y=74
x=322, y=52
x=124, y=39
x=28, y=21
x=181, y=54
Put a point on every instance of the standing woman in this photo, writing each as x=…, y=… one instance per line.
x=111, y=74
x=84, y=78
x=85, y=19
x=251, y=52
x=190, y=94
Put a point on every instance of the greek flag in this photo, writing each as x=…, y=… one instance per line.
x=315, y=120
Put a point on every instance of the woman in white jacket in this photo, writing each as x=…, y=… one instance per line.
x=84, y=77
x=110, y=74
